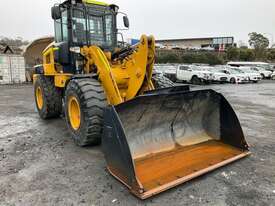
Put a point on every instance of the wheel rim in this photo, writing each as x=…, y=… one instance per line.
x=74, y=113
x=39, y=98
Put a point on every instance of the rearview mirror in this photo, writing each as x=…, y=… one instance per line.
x=126, y=21
x=56, y=13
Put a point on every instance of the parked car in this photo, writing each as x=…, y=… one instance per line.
x=218, y=75
x=235, y=76
x=193, y=74
x=266, y=74
x=273, y=75
x=253, y=75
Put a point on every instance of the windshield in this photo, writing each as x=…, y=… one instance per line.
x=248, y=71
x=257, y=69
x=266, y=67
x=217, y=70
x=201, y=68
x=94, y=28
x=233, y=71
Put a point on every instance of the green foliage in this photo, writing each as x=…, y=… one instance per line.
x=168, y=58
x=240, y=54
x=271, y=55
x=18, y=41
x=211, y=58
x=259, y=42
x=233, y=53
x=247, y=54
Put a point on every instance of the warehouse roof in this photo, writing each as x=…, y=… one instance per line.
x=192, y=39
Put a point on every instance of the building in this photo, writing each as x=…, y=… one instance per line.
x=12, y=67
x=208, y=43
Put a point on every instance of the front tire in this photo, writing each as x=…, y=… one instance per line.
x=85, y=101
x=48, y=98
x=195, y=80
x=233, y=81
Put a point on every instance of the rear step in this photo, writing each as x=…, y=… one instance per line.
x=158, y=141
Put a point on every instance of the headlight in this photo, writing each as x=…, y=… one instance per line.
x=75, y=50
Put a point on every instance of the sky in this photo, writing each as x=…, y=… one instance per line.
x=31, y=19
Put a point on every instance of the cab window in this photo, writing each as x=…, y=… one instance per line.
x=58, y=30
x=184, y=68
x=61, y=28
x=65, y=25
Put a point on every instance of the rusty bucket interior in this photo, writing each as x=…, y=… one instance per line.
x=158, y=141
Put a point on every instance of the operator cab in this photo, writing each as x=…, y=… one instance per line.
x=86, y=23
x=80, y=23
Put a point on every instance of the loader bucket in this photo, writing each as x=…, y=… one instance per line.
x=157, y=141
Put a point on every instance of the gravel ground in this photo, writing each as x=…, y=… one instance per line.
x=40, y=165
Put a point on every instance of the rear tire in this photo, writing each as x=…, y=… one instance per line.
x=195, y=80
x=48, y=98
x=233, y=81
x=85, y=101
x=161, y=81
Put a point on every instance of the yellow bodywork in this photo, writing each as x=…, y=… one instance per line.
x=122, y=80
x=95, y=2
x=39, y=97
x=48, y=62
x=74, y=112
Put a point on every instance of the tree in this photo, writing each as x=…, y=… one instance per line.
x=233, y=53
x=167, y=58
x=247, y=54
x=259, y=42
x=18, y=41
x=271, y=55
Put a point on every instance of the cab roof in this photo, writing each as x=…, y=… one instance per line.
x=95, y=2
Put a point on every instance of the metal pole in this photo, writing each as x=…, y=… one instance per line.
x=10, y=64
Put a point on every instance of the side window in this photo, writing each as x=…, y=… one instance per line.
x=185, y=68
x=65, y=25
x=79, y=27
x=58, y=30
x=109, y=29
x=96, y=29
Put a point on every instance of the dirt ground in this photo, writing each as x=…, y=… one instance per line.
x=40, y=165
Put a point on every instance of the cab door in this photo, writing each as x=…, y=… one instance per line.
x=184, y=73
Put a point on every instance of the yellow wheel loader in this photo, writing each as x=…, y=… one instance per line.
x=154, y=136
